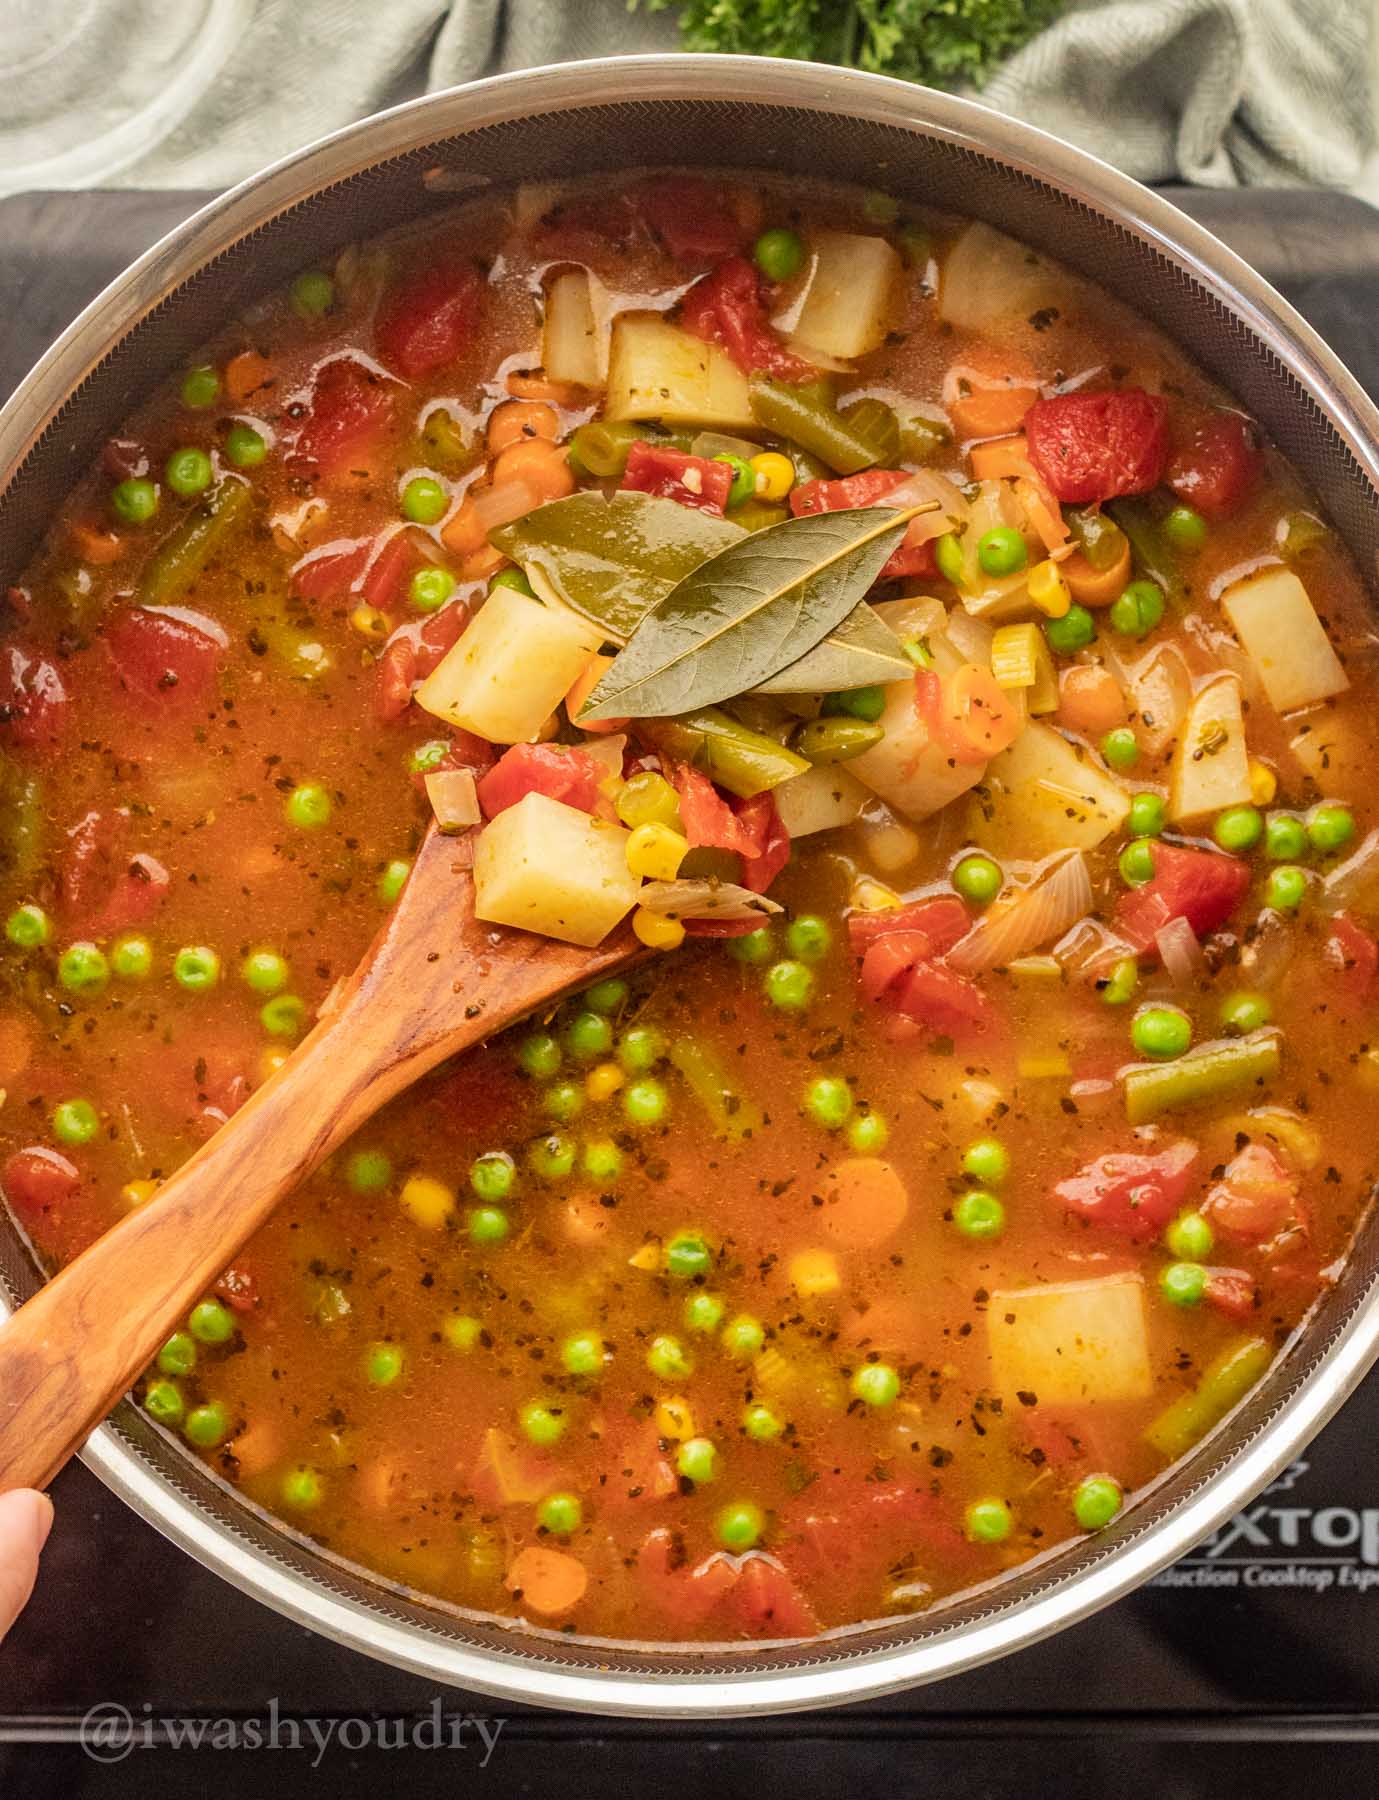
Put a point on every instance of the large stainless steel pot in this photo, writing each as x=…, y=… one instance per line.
x=742, y=112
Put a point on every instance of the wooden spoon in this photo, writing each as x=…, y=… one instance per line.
x=435, y=981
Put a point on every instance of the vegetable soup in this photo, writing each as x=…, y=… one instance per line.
x=965, y=708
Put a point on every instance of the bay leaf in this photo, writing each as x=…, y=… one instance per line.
x=748, y=613
x=613, y=557
x=860, y=652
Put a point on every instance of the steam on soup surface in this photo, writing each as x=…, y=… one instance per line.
x=987, y=1119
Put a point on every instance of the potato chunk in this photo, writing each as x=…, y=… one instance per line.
x=850, y=298
x=511, y=668
x=1072, y=1342
x=1211, y=768
x=543, y=866
x=1045, y=794
x=571, y=343
x=821, y=799
x=1275, y=620
x=657, y=371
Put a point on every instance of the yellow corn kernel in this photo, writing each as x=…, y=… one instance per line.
x=772, y=1371
x=1036, y=968
x=1048, y=590
x=271, y=1060
x=814, y=1272
x=138, y=1193
x=775, y=475
x=648, y=1257
x=655, y=852
x=429, y=1202
x=1043, y=1066
x=674, y=1418
x=369, y=622
x=873, y=896
x=1263, y=782
x=603, y=1082
x=656, y=931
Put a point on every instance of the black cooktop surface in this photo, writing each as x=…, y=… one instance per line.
x=1249, y=1668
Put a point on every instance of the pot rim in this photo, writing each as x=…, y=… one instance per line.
x=521, y=1673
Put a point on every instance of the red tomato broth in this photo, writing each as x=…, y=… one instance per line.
x=406, y=1471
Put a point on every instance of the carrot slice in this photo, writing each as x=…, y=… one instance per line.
x=95, y=545
x=1095, y=587
x=544, y=466
x=988, y=393
x=549, y=1582
x=978, y=717
x=518, y=421
x=245, y=374
x=584, y=685
x=1007, y=459
x=864, y=1201
x=535, y=384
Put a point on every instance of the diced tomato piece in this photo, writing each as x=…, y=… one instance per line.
x=696, y=221
x=586, y=228
x=1202, y=886
x=695, y=481
x=560, y=772
x=1232, y=1292
x=726, y=308
x=943, y=1002
x=759, y=818
x=163, y=655
x=640, y=1471
x=764, y=1601
x=347, y=420
x=104, y=890
x=681, y=1594
x=37, y=1180
x=374, y=569
x=330, y=572
x=429, y=319
x=136, y=894
x=1354, y=954
x=33, y=698
x=1089, y=447
x=1255, y=1199
x=867, y=489
x=1217, y=466
x=238, y=1289
x=709, y=822
x=841, y=1524
x=1059, y=1440
x=1129, y=1192
x=507, y=1473
x=123, y=458
x=886, y=960
x=943, y=921
x=411, y=654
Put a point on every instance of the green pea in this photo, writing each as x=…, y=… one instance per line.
x=424, y=500
x=283, y=1016
x=178, y=1355
x=988, y=1522
x=779, y=254
x=868, y=1132
x=744, y=484
x=697, y=1460
x=1138, y=609
x=1160, y=1032
x=1074, y=631
x=583, y=1353
x=1002, y=551
x=461, y=1331
x=865, y=703
x=978, y=879
x=245, y=448
x=986, y=1160
x=312, y=294
x=134, y=501
x=428, y=756
x=1184, y=529
x=539, y=1055
x=949, y=557
x=302, y=1489
x=487, y=1225
x=491, y=1175
x=1147, y=816
x=1121, y=748
x=647, y=798
x=739, y=1526
x=200, y=388
x=369, y=1171
x=75, y=1122
x=1189, y=1237
x=83, y=969
x=196, y=968
x=265, y=971
x=1244, y=1012
x=210, y=1322
x=1286, y=888
x=1285, y=838
x=828, y=1100
x=808, y=938
x=789, y=985
x=1330, y=829
x=131, y=958
x=429, y=589
x=392, y=881
x=979, y=1215
x=308, y=806
x=563, y=1101
x=608, y=996
x=688, y=1255
x=668, y=1359
x=1121, y=985
x=876, y=1384
x=543, y=1424
x=163, y=1401
x=753, y=947
x=1137, y=862
x=560, y=1514
x=743, y=1337
x=188, y=472
x=1183, y=1283
x=761, y=1423
x=207, y=1425
x=514, y=578
x=703, y=1312
x=640, y=1048
x=1096, y=1502
x=383, y=1363
x=588, y=1037
x=1238, y=828
x=552, y=1156
x=601, y=1160
x=28, y=927
x=644, y=1102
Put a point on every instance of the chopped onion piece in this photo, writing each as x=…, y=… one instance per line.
x=454, y=799
x=705, y=900
x=1091, y=950
x=1355, y=879
x=608, y=750
x=1059, y=895
x=502, y=502
x=1265, y=958
x=953, y=514
x=1179, y=951
x=720, y=443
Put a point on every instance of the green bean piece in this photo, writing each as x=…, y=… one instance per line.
x=835, y=740
x=873, y=420
x=731, y=1113
x=601, y=446
x=1224, y=1382
x=445, y=444
x=1207, y=1073
x=804, y=412
x=22, y=822
x=1301, y=532
x=1099, y=539
x=739, y=759
x=204, y=533
x=922, y=439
